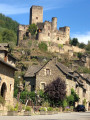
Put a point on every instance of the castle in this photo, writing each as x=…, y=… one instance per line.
x=47, y=31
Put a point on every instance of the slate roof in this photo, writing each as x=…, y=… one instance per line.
x=32, y=70
x=7, y=64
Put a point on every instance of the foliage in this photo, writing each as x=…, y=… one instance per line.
x=79, y=55
x=81, y=45
x=2, y=100
x=42, y=109
x=74, y=42
x=8, y=36
x=72, y=98
x=27, y=95
x=88, y=46
x=49, y=109
x=84, y=102
x=56, y=91
x=83, y=69
x=42, y=46
x=46, y=104
x=16, y=107
x=64, y=103
x=6, y=22
x=28, y=108
x=8, y=29
x=29, y=43
x=32, y=29
x=60, y=45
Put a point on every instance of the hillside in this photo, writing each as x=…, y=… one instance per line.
x=8, y=29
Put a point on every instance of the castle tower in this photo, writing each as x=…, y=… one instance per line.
x=54, y=23
x=36, y=14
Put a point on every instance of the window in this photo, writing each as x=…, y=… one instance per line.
x=10, y=86
x=48, y=34
x=84, y=92
x=42, y=86
x=47, y=71
x=37, y=18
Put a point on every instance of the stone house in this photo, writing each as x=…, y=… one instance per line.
x=37, y=77
x=7, y=70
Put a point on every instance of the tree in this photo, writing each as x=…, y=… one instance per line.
x=56, y=91
x=82, y=45
x=88, y=46
x=8, y=36
x=72, y=98
x=32, y=29
x=74, y=42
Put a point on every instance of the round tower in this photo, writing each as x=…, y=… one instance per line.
x=54, y=23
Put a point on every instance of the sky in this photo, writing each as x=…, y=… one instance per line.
x=72, y=13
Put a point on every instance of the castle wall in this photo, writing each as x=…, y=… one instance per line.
x=22, y=29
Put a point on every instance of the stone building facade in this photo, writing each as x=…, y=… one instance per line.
x=7, y=69
x=47, y=31
x=37, y=77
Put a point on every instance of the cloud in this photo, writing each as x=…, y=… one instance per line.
x=82, y=37
x=23, y=6
x=8, y=9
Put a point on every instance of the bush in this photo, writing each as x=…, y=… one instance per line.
x=42, y=46
x=79, y=55
x=45, y=104
x=49, y=109
x=32, y=29
x=28, y=108
x=65, y=103
x=42, y=109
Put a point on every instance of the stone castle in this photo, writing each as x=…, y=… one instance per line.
x=47, y=31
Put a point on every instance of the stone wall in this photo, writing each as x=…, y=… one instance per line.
x=7, y=77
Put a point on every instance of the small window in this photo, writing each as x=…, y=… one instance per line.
x=37, y=18
x=47, y=71
x=10, y=86
x=84, y=92
x=57, y=38
x=42, y=86
x=48, y=34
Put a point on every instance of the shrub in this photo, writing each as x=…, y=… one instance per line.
x=42, y=46
x=45, y=104
x=28, y=108
x=32, y=29
x=42, y=109
x=49, y=109
x=65, y=103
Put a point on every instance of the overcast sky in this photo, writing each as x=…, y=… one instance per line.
x=72, y=13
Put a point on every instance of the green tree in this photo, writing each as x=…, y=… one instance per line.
x=74, y=42
x=8, y=36
x=88, y=46
x=32, y=29
x=82, y=45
